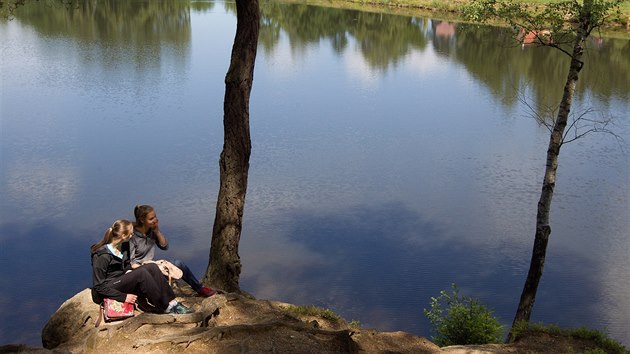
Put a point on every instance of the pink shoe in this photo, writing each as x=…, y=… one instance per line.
x=206, y=292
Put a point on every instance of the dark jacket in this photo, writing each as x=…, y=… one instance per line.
x=106, y=269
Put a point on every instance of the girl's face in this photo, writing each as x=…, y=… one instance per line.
x=151, y=221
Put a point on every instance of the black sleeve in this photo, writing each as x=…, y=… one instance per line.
x=126, y=259
x=99, y=276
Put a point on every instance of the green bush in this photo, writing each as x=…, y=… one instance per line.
x=462, y=320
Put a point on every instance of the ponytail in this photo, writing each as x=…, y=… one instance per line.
x=118, y=229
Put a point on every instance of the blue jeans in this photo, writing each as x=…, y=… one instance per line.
x=188, y=276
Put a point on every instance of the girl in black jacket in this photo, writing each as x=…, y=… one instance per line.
x=113, y=277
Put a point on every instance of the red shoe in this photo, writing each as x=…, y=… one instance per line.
x=206, y=292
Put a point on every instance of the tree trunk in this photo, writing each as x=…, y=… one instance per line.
x=224, y=265
x=543, y=229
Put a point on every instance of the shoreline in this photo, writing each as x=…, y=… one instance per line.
x=451, y=10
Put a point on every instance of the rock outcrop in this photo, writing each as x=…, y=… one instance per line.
x=224, y=323
x=233, y=323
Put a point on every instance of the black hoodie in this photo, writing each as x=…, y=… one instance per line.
x=106, y=270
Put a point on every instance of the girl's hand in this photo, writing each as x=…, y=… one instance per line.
x=131, y=298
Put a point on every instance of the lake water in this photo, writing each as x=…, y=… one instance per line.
x=391, y=157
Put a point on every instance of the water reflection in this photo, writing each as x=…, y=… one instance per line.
x=381, y=264
x=305, y=25
x=389, y=159
x=385, y=40
x=133, y=23
x=42, y=263
x=47, y=190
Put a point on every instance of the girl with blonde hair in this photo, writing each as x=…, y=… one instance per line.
x=113, y=278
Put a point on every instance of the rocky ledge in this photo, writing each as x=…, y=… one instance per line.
x=234, y=323
x=223, y=323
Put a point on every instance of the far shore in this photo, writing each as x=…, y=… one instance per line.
x=618, y=26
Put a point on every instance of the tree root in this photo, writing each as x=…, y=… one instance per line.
x=222, y=332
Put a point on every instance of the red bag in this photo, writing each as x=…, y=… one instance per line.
x=112, y=310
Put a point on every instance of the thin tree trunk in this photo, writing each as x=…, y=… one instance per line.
x=543, y=229
x=224, y=265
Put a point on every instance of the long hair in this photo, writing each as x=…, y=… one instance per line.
x=141, y=212
x=119, y=228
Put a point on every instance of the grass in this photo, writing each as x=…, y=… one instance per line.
x=354, y=324
x=310, y=310
x=603, y=341
x=624, y=7
x=455, y=6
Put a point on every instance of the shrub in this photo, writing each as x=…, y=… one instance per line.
x=462, y=320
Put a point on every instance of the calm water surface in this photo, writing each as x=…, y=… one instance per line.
x=391, y=157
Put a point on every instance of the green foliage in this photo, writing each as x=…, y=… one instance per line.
x=8, y=7
x=555, y=24
x=604, y=342
x=595, y=351
x=354, y=324
x=557, y=17
x=310, y=310
x=461, y=320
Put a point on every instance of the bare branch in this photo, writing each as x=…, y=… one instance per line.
x=546, y=118
x=581, y=126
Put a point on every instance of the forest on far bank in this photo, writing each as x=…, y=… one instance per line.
x=618, y=24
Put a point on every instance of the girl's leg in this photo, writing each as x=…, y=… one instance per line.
x=188, y=276
x=147, y=282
